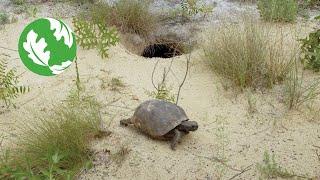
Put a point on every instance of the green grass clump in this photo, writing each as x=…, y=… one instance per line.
x=246, y=55
x=298, y=91
x=131, y=16
x=56, y=145
x=278, y=10
x=270, y=168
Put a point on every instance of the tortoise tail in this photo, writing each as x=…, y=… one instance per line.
x=125, y=122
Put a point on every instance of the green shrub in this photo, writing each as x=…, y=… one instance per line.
x=57, y=144
x=131, y=16
x=278, y=10
x=246, y=55
x=311, y=51
x=190, y=8
x=95, y=35
x=9, y=89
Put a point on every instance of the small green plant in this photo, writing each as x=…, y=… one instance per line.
x=163, y=93
x=191, y=8
x=57, y=145
x=4, y=18
x=311, y=51
x=116, y=83
x=278, y=10
x=95, y=35
x=9, y=89
x=269, y=168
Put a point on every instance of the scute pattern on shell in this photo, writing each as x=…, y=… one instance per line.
x=157, y=118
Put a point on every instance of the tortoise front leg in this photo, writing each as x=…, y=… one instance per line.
x=176, y=138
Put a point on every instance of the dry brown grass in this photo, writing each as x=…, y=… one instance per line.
x=246, y=54
x=129, y=16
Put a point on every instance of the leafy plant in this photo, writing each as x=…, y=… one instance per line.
x=278, y=10
x=163, y=93
x=56, y=146
x=311, y=50
x=270, y=168
x=192, y=7
x=9, y=89
x=95, y=35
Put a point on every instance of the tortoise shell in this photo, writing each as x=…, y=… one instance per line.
x=157, y=118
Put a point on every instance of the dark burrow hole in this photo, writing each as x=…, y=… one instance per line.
x=162, y=50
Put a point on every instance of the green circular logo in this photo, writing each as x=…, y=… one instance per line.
x=47, y=46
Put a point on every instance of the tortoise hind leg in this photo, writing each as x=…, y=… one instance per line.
x=125, y=122
x=176, y=138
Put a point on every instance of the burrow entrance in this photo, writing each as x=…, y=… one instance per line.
x=162, y=50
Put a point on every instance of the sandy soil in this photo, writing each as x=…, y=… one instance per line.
x=226, y=128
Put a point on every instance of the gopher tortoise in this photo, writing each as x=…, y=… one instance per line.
x=161, y=120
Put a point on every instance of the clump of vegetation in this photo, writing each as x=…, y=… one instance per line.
x=269, y=168
x=311, y=50
x=163, y=93
x=18, y=2
x=121, y=154
x=9, y=88
x=95, y=35
x=278, y=10
x=56, y=146
x=246, y=55
x=161, y=90
x=310, y=3
x=296, y=92
x=116, y=83
x=4, y=18
x=131, y=16
x=190, y=8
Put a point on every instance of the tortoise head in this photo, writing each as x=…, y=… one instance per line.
x=187, y=126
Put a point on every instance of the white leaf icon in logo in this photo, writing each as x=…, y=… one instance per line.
x=36, y=49
x=61, y=30
x=57, y=69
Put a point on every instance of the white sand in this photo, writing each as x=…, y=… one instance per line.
x=291, y=135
